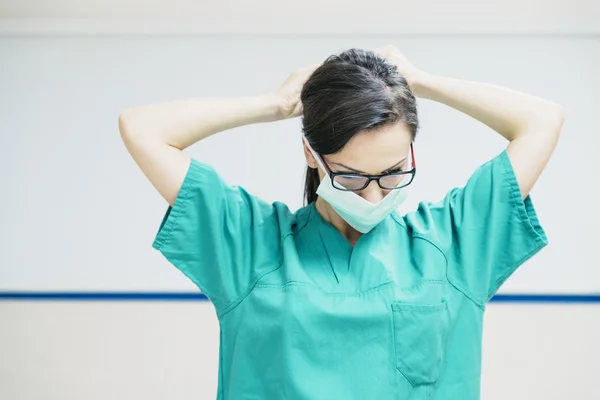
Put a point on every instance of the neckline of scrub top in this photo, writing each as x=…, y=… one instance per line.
x=340, y=252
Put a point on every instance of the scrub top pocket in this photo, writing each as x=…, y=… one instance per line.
x=420, y=333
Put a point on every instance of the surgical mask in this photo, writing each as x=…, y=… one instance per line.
x=359, y=213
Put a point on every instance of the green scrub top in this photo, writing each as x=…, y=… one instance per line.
x=304, y=315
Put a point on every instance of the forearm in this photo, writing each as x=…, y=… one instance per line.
x=181, y=123
x=508, y=112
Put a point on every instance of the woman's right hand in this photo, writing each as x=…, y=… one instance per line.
x=288, y=95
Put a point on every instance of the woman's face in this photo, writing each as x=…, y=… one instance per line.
x=371, y=153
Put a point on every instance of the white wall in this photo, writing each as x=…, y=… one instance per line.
x=77, y=198
x=157, y=351
x=79, y=216
x=312, y=17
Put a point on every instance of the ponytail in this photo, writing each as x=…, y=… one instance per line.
x=311, y=184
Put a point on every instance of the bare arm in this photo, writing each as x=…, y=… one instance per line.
x=530, y=124
x=156, y=135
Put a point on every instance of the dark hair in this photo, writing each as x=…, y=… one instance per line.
x=351, y=92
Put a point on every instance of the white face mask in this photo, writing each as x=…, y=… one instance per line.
x=359, y=213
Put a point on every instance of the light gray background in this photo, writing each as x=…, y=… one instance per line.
x=77, y=213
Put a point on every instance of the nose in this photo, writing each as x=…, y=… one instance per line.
x=372, y=193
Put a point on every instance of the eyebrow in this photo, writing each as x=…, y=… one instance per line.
x=364, y=173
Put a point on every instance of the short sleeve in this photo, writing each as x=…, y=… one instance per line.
x=485, y=229
x=219, y=236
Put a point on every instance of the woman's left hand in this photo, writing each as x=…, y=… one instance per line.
x=532, y=125
x=405, y=67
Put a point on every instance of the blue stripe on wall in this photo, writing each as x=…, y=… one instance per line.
x=183, y=296
x=104, y=296
x=546, y=298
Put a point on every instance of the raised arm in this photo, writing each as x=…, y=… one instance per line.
x=156, y=134
x=531, y=125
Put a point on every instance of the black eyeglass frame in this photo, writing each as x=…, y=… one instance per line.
x=370, y=178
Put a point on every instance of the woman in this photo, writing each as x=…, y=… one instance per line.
x=346, y=299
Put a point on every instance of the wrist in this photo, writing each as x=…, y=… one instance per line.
x=419, y=83
x=271, y=106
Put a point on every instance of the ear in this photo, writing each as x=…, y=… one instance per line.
x=310, y=159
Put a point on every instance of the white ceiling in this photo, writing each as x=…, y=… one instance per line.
x=306, y=16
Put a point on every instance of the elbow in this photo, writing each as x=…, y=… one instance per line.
x=557, y=118
x=545, y=123
x=134, y=128
x=557, y=113
x=554, y=114
x=550, y=119
x=125, y=123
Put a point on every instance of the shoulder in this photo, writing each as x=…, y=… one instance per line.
x=490, y=190
x=426, y=221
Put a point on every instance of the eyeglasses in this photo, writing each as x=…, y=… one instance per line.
x=356, y=182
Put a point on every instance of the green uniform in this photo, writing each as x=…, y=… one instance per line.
x=304, y=315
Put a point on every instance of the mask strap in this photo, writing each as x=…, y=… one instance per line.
x=316, y=156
